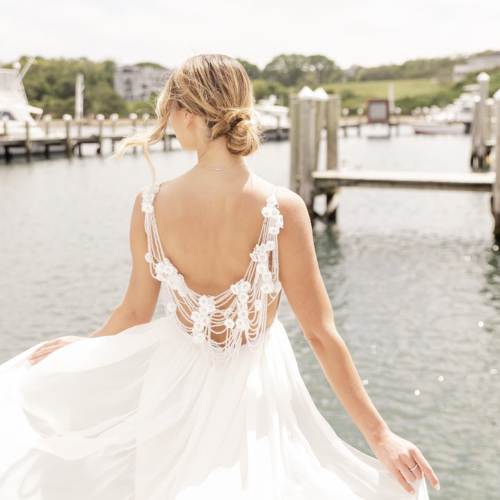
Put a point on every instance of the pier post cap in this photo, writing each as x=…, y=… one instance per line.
x=483, y=77
x=133, y=116
x=66, y=117
x=320, y=94
x=145, y=116
x=306, y=93
x=345, y=111
x=113, y=116
x=99, y=117
x=360, y=111
x=47, y=118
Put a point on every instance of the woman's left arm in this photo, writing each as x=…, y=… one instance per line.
x=139, y=303
x=305, y=290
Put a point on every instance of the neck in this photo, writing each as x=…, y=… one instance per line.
x=216, y=155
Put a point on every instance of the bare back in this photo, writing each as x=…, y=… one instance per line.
x=208, y=230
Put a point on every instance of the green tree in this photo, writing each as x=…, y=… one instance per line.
x=294, y=70
x=252, y=69
x=50, y=85
x=287, y=69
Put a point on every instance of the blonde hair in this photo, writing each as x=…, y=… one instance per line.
x=217, y=89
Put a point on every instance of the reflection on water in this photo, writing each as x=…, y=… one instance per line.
x=413, y=276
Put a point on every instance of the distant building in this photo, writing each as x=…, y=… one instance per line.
x=476, y=63
x=135, y=83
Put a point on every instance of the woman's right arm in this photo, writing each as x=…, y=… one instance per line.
x=303, y=285
x=139, y=303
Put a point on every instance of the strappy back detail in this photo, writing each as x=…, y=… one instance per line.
x=238, y=313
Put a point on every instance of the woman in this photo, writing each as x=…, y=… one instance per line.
x=207, y=401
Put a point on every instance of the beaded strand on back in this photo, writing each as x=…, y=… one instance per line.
x=240, y=311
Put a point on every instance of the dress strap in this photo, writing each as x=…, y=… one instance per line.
x=271, y=200
x=148, y=197
x=155, y=253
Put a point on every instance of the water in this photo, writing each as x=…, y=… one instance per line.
x=413, y=276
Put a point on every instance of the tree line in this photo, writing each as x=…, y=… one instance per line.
x=50, y=83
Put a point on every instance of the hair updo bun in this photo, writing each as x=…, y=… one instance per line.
x=243, y=137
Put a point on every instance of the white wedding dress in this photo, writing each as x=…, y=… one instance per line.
x=166, y=411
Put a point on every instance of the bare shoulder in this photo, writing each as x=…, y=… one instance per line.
x=164, y=189
x=290, y=203
x=139, y=198
x=292, y=207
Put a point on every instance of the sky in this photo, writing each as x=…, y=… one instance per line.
x=350, y=32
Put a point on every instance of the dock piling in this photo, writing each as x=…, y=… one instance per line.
x=47, y=119
x=28, y=144
x=479, y=125
x=332, y=154
x=100, y=119
x=319, y=121
x=332, y=131
x=133, y=117
x=345, y=113
x=279, y=129
x=495, y=198
x=360, y=113
x=294, y=143
x=69, y=145
x=306, y=150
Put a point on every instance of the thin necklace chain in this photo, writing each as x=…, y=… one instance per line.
x=223, y=168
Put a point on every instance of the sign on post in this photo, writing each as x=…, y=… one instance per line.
x=378, y=111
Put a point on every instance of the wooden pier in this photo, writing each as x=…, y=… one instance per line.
x=67, y=143
x=28, y=146
x=310, y=111
x=328, y=179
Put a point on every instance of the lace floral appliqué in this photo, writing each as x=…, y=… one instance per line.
x=239, y=311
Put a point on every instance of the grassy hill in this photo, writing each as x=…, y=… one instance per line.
x=355, y=94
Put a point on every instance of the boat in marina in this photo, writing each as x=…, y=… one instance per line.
x=438, y=127
x=455, y=118
x=15, y=109
x=271, y=114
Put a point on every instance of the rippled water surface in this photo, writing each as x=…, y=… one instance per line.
x=413, y=276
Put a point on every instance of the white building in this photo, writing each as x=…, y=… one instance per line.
x=135, y=83
x=476, y=63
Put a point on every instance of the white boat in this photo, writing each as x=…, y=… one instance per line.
x=15, y=109
x=269, y=113
x=454, y=118
x=438, y=127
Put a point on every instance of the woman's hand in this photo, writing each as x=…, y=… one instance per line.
x=399, y=457
x=52, y=345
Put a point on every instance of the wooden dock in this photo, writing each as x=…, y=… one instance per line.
x=68, y=144
x=310, y=111
x=328, y=179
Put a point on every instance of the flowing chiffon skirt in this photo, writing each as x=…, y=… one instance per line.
x=141, y=416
